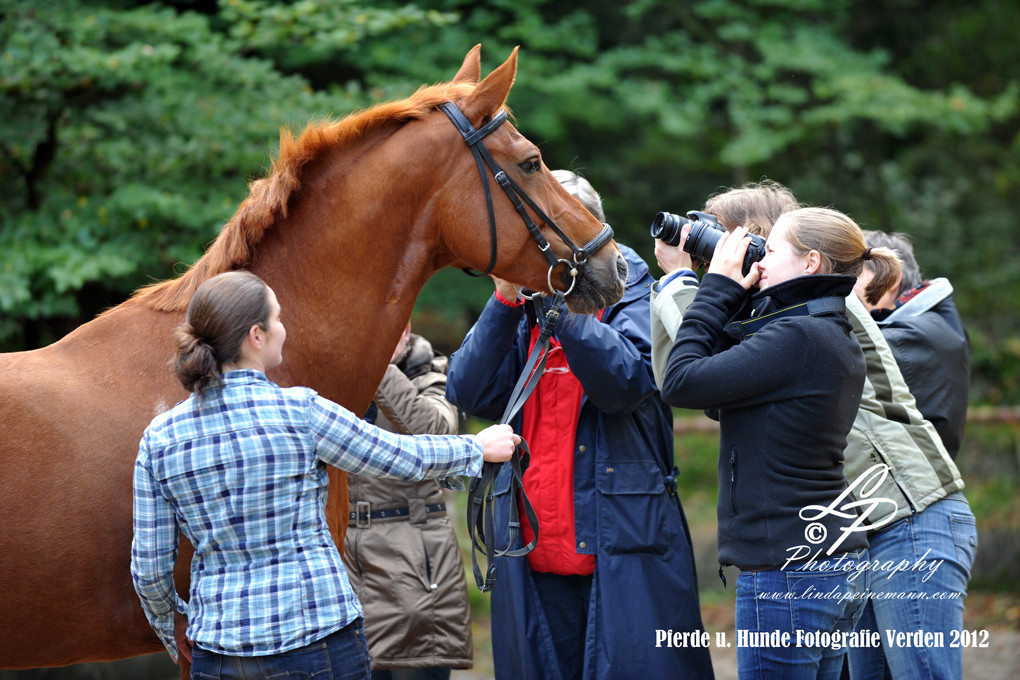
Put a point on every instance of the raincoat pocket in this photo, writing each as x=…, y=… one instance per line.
x=636, y=513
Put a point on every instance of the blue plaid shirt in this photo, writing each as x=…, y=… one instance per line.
x=243, y=476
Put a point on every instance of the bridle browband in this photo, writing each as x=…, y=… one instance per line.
x=473, y=138
x=480, y=514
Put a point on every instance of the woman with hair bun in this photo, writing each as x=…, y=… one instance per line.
x=786, y=384
x=240, y=469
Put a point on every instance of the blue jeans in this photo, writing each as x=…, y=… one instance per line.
x=342, y=655
x=943, y=531
x=810, y=603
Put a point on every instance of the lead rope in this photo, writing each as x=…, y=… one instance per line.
x=480, y=516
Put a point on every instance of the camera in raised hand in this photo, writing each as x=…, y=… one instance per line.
x=705, y=234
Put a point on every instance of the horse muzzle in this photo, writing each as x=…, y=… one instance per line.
x=600, y=282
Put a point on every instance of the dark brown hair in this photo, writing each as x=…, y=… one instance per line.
x=220, y=315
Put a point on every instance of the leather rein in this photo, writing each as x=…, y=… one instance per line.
x=480, y=515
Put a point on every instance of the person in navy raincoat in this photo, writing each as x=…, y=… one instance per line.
x=612, y=577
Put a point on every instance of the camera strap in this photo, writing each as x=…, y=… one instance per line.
x=481, y=512
x=741, y=330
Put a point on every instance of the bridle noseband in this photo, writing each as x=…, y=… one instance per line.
x=473, y=138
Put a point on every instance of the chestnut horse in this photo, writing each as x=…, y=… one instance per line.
x=353, y=218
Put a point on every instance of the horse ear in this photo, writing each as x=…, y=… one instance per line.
x=490, y=95
x=471, y=70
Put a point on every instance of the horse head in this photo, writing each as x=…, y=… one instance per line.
x=540, y=236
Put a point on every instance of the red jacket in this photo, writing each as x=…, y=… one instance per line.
x=549, y=425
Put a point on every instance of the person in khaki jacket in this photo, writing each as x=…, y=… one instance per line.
x=400, y=549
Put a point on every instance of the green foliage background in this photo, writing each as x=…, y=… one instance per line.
x=130, y=129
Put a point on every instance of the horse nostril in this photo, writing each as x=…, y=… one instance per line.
x=621, y=268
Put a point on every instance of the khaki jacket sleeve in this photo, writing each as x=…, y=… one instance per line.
x=667, y=310
x=418, y=406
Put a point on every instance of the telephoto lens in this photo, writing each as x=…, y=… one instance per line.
x=705, y=234
x=666, y=227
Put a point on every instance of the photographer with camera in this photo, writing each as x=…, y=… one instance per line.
x=755, y=205
x=786, y=392
x=400, y=549
x=931, y=514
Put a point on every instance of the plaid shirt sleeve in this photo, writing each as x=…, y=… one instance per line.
x=345, y=441
x=154, y=552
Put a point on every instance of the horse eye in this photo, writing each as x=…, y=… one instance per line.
x=531, y=166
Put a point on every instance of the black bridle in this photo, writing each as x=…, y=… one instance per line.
x=480, y=515
x=473, y=138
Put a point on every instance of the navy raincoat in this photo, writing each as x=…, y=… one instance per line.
x=627, y=511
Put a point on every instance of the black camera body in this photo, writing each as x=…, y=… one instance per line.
x=705, y=234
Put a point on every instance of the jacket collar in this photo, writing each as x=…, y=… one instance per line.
x=801, y=289
x=243, y=376
x=637, y=272
x=934, y=293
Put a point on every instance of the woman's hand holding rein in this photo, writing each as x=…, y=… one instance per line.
x=498, y=443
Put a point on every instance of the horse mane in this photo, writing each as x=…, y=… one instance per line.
x=267, y=202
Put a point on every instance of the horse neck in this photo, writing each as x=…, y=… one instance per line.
x=347, y=271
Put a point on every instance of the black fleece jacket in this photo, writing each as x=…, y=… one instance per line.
x=786, y=398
